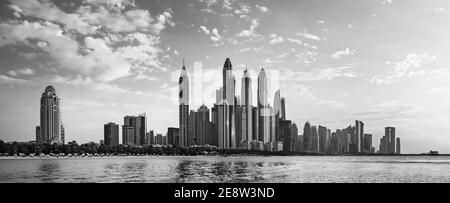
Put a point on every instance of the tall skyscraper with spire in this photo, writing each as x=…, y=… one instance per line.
x=263, y=105
x=183, y=98
x=229, y=82
x=50, y=125
x=227, y=110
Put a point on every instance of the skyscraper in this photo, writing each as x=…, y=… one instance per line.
x=223, y=130
x=322, y=139
x=151, y=137
x=283, y=108
x=286, y=135
x=173, y=136
x=203, y=126
x=397, y=150
x=263, y=105
x=141, y=129
x=359, y=135
x=277, y=115
x=226, y=127
x=255, y=123
x=367, y=143
x=192, y=130
x=314, y=139
x=389, y=132
x=111, y=134
x=307, y=136
x=50, y=124
x=246, y=102
x=294, y=136
x=183, y=96
x=134, y=130
x=128, y=133
x=214, y=136
x=229, y=82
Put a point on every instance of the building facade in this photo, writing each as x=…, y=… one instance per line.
x=50, y=117
x=111, y=134
x=183, y=97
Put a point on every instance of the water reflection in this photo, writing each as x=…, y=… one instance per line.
x=218, y=171
x=228, y=169
x=48, y=171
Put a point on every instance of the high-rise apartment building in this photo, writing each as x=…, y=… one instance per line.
x=111, y=134
x=50, y=118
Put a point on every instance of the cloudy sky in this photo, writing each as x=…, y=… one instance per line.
x=385, y=62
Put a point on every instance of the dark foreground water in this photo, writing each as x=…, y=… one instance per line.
x=227, y=169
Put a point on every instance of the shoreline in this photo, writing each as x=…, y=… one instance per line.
x=213, y=155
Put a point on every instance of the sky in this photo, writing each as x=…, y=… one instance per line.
x=385, y=62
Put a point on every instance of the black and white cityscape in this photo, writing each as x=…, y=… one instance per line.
x=234, y=123
x=224, y=90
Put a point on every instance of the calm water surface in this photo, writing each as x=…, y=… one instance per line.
x=227, y=169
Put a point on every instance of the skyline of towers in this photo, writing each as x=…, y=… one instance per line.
x=235, y=123
x=51, y=129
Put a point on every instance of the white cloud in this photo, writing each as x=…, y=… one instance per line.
x=215, y=35
x=308, y=97
x=12, y=82
x=306, y=57
x=439, y=90
x=440, y=73
x=319, y=74
x=384, y=2
x=277, y=58
x=205, y=30
x=103, y=39
x=390, y=110
x=227, y=4
x=142, y=76
x=25, y=71
x=242, y=11
x=263, y=9
x=346, y=52
x=296, y=41
x=440, y=10
x=276, y=39
x=309, y=36
x=243, y=50
x=410, y=66
x=250, y=32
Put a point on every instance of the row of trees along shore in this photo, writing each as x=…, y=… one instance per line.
x=93, y=149
x=73, y=148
